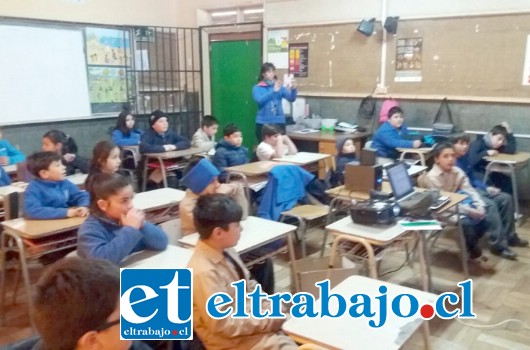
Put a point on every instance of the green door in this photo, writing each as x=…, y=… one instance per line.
x=234, y=67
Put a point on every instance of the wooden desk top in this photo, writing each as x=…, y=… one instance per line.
x=256, y=233
x=302, y=158
x=173, y=257
x=10, y=169
x=77, y=179
x=517, y=158
x=346, y=332
x=423, y=150
x=375, y=234
x=253, y=169
x=326, y=136
x=33, y=229
x=175, y=154
x=157, y=199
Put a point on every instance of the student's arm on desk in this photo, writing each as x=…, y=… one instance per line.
x=147, y=144
x=34, y=209
x=510, y=147
x=153, y=237
x=180, y=142
x=205, y=284
x=476, y=153
x=93, y=243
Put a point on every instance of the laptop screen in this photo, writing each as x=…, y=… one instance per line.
x=400, y=180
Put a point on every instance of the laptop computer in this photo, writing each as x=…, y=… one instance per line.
x=403, y=188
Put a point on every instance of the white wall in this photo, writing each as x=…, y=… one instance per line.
x=288, y=13
x=131, y=12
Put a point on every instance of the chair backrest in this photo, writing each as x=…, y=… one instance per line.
x=13, y=205
x=172, y=229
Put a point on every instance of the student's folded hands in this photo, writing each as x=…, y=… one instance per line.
x=79, y=212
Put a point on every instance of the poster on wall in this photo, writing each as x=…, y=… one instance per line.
x=278, y=48
x=409, y=60
x=108, y=47
x=299, y=59
x=107, y=85
x=526, y=70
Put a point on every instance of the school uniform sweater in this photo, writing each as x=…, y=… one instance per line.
x=120, y=139
x=100, y=237
x=153, y=142
x=478, y=149
x=201, y=140
x=45, y=199
x=269, y=102
x=387, y=139
x=13, y=154
x=227, y=155
x=4, y=178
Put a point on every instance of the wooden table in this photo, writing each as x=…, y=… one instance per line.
x=78, y=179
x=508, y=164
x=256, y=233
x=24, y=232
x=160, y=205
x=327, y=140
x=165, y=156
x=173, y=257
x=302, y=158
x=253, y=169
x=346, y=332
x=424, y=153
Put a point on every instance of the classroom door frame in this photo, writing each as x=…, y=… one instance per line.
x=236, y=31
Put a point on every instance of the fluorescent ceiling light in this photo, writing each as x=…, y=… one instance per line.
x=224, y=14
x=249, y=11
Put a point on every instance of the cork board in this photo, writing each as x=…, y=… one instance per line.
x=465, y=56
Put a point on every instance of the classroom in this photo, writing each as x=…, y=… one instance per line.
x=300, y=119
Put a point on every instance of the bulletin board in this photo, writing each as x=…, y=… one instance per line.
x=464, y=56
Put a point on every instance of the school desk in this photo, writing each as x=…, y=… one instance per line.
x=423, y=153
x=159, y=205
x=173, y=257
x=257, y=232
x=161, y=157
x=260, y=168
x=327, y=140
x=346, y=332
x=78, y=179
x=324, y=161
x=10, y=169
x=508, y=164
x=33, y=239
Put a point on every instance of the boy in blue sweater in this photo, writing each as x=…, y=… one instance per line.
x=158, y=139
x=229, y=152
x=50, y=195
x=115, y=229
x=390, y=135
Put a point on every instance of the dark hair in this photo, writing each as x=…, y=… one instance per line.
x=103, y=186
x=72, y=297
x=269, y=130
x=438, y=149
x=57, y=136
x=209, y=120
x=121, y=123
x=394, y=110
x=41, y=161
x=460, y=137
x=215, y=210
x=265, y=67
x=100, y=154
x=230, y=129
x=499, y=129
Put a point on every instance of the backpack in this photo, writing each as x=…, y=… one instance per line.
x=365, y=115
x=385, y=107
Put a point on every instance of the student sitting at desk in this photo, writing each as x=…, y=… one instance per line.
x=5, y=180
x=158, y=140
x=65, y=146
x=345, y=154
x=493, y=197
x=105, y=159
x=499, y=139
x=215, y=266
x=229, y=152
x=124, y=134
x=77, y=306
x=8, y=153
x=50, y=195
x=390, y=135
x=115, y=229
x=204, y=136
x=274, y=144
x=478, y=217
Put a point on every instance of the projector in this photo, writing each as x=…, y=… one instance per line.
x=373, y=212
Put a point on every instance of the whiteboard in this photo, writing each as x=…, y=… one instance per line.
x=43, y=75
